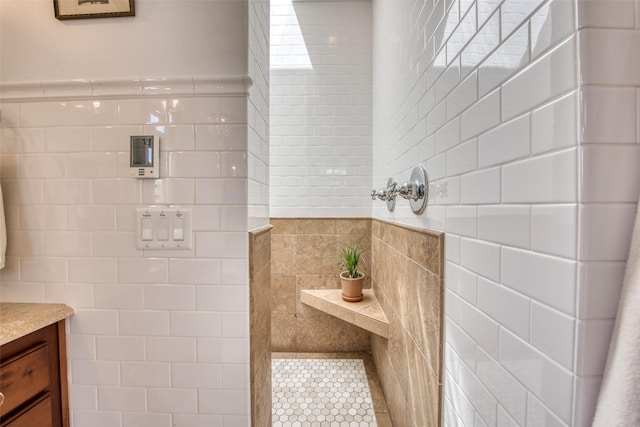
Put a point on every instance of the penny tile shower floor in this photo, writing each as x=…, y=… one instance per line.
x=321, y=392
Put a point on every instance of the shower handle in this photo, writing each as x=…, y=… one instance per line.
x=412, y=190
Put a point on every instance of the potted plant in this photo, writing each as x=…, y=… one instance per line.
x=352, y=278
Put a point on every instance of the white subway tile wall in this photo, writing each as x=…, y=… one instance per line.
x=526, y=117
x=320, y=129
x=153, y=331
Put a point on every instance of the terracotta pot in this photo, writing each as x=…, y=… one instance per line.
x=351, y=287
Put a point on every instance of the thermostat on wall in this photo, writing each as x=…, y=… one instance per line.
x=144, y=156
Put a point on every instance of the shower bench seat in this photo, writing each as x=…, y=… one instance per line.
x=366, y=314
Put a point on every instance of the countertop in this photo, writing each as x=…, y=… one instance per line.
x=19, y=319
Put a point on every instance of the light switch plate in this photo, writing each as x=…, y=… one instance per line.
x=170, y=228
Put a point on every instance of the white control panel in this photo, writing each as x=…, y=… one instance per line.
x=163, y=228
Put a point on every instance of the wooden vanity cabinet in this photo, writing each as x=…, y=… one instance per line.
x=33, y=379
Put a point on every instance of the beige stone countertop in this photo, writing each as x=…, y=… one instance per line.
x=18, y=319
x=366, y=314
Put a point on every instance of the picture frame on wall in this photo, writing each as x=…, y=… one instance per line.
x=86, y=9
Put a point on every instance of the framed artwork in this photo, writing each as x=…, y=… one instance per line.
x=83, y=9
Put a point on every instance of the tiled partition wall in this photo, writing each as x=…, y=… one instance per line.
x=526, y=117
x=260, y=325
x=159, y=338
x=407, y=280
x=320, y=108
x=305, y=256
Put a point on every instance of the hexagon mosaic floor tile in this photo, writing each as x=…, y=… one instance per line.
x=321, y=392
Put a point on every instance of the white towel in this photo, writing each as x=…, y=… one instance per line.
x=3, y=233
x=619, y=399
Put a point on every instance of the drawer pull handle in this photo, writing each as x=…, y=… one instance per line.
x=1, y=398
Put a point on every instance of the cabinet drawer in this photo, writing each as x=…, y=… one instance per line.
x=38, y=415
x=23, y=377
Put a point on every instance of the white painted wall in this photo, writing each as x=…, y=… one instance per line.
x=165, y=38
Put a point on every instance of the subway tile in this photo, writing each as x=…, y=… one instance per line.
x=92, y=270
x=201, y=376
x=481, y=257
x=172, y=400
x=67, y=243
x=223, y=401
x=586, y=397
x=592, y=345
x=141, y=111
x=553, y=333
x=170, y=349
x=546, y=380
x=146, y=374
x=91, y=165
x=94, y=322
x=121, y=399
x=483, y=401
x=481, y=116
x=553, y=126
x=462, y=96
x=168, y=191
x=114, y=138
x=511, y=394
x=196, y=420
x=538, y=414
x=508, y=308
x=509, y=58
x=81, y=347
x=78, y=296
x=481, y=187
x=25, y=243
x=169, y=297
x=114, y=192
x=613, y=14
x=43, y=114
x=550, y=24
x=515, y=12
x=143, y=270
x=91, y=218
x=480, y=327
x=194, y=271
x=195, y=324
x=145, y=323
x=146, y=419
x=548, y=77
x=67, y=139
x=610, y=243
x=194, y=164
x=510, y=141
x=92, y=113
x=608, y=57
x=83, y=397
x=549, y=280
x=509, y=225
x=43, y=269
x=221, y=245
x=118, y=297
x=462, y=220
x=610, y=173
x=600, y=289
x=484, y=41
x=222, y=298
x=23, y=192
x=95, y=372
x=39, y=166
x=229, y=191
x=608, y=115
x=97, y=418
x=119, y=348
x=543, y=179
x=554, y=230
x=67, y=192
